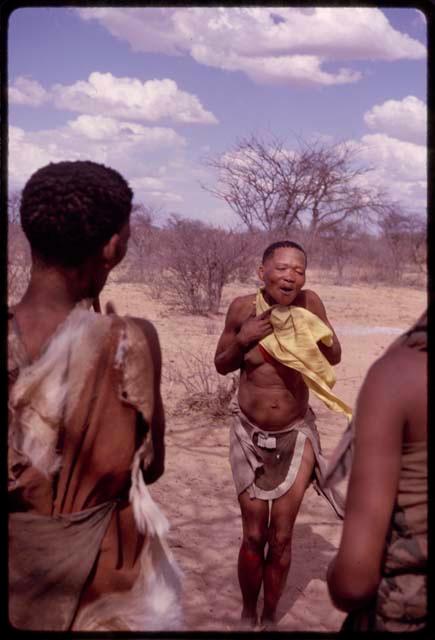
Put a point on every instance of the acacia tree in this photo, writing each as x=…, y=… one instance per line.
x=316, y=187
x=201, y=261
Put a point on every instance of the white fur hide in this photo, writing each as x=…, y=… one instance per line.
x=43, y=396
x=46, y=391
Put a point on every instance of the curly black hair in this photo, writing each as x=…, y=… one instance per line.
x=71, y=209
x=282, y=244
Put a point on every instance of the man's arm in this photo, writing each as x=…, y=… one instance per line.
x=157, y=467
x=316, y=306
x=353, y=576
x=230, y=350
x=243, y=329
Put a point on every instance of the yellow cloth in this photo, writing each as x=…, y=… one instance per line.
x=296, y=332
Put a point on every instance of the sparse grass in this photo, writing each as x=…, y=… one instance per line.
x=212, y=328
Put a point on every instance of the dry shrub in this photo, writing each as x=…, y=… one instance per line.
x=18, y=252
x=201, y=260
x=204, y=390
x=18, y=277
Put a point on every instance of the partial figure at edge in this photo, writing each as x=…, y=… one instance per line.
x=379, y=575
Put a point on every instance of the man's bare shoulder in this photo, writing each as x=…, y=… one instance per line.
x=243, y=301
x=309, y=299
x=400, y=367
x=242, y=305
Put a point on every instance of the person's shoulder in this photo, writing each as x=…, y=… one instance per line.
x=309, y=299
x=241, y=303
x=248, y=298
x=143, y=336
x=398, y=367
x=311, y=296
x=239, y=310
x=138, y=332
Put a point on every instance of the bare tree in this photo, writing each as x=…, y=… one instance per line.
x=142, y=240
x=317, y=187
x=340, y=243
x=202, y=260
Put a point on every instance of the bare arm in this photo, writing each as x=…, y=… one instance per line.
x=243, y=329
x=315, y=305
x=156, y=468
x=354, y=574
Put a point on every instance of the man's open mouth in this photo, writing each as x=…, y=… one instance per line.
x=286, y=290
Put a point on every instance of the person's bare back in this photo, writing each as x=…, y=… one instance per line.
x=85, y=423
x=379, y=573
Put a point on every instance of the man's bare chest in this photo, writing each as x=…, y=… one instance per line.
x=263, y=370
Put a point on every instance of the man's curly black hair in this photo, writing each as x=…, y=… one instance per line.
x=282, y=244
x=71, y=209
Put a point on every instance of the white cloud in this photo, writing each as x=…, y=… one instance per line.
x=28, y=92
x=404, y=119
x=148, y=183
x=128, y=24
x=128, y=147
x=26, y=156
x=154, y=191
x=163, y=197
x=297, y=70
x=405, y=159
x=398, y=166
x=111, y=130
x=130, y=98
x=277, y=45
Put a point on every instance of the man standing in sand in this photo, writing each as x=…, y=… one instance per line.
x=283, y=344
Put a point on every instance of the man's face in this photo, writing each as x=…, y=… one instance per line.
x=283, y=275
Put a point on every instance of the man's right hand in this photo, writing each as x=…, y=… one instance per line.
x=255, y=328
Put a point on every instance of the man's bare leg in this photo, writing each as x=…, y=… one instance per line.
x=284, y=511
x=255, y=515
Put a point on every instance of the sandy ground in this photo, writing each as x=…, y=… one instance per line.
x=197, y=492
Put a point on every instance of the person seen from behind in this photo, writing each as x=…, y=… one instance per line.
x=86, y=422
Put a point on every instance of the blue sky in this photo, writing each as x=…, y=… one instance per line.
x=152, y=91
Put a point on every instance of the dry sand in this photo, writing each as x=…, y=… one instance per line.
x=197, y=492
